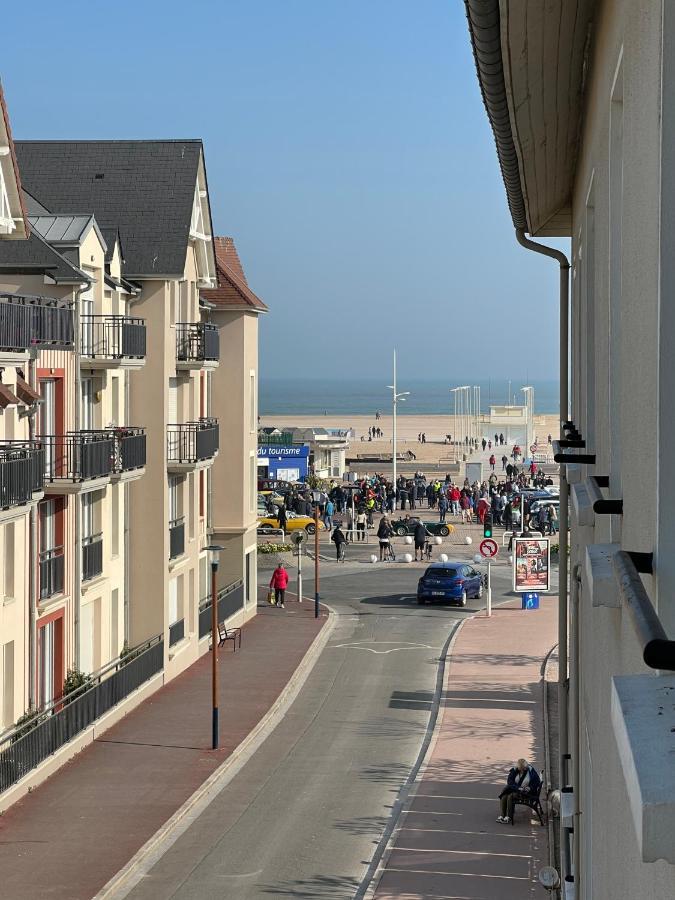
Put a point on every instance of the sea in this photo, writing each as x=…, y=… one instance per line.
x=359, y=396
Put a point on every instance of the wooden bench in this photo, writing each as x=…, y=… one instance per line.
x=229, y=634
x=532, y=801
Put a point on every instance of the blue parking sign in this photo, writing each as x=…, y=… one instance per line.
x=530, y=600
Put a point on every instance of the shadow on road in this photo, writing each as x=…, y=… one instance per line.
x=322, y=886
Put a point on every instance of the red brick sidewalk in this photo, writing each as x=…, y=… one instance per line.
x=74, y=832
x=449, y=844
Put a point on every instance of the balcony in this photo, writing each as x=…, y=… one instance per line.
x=28, y=322
x=51, y=572
x=191, y=445
x=92, y=556
x=109, y=342
x=22, y=475
x=78, y=461
x=176, y=537
x=130, y=453
x=197, y=345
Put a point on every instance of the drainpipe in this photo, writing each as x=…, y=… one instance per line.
x=77, y=562
x=575, y=736
x=127, y=573
x=33, y=565
x=564, y=264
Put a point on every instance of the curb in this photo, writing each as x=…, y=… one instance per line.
x=157, y=845
x=371, y=880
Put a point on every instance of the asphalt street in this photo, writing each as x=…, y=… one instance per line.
x=305, y=815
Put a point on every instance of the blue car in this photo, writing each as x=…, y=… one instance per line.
x=456, y=581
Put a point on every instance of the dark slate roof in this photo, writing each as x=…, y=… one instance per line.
x=33, y=206
x=111, y=236
x=36, y=256
x=144, y=188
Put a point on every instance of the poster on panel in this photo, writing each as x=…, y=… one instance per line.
x=531, y=564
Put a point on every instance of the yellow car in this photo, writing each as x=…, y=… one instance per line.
x=294, y=522
x=276, y=498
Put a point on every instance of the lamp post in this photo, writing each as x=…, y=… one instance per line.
x=529, y=415
x=395, y=399
x=213, y=554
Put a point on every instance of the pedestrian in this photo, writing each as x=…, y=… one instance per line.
x=424, y=438
x=549, y=439
x=279, y=582
x=420, y=539
x=489, y=445
x=484, y=443
x=442, y=507
x=339, y=540
x=493, y=460
x=361, y=519
x=282, y=517
x=384, y=533
x=523, y=781
x=329, y=509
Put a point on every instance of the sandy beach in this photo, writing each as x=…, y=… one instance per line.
x=434, y=427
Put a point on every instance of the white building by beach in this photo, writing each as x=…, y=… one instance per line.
x=581, y=99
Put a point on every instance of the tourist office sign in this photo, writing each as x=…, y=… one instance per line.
x=531, y=564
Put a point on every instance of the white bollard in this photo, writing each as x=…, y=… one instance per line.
x=373, y=558
x=438, y=541
x=407, y=557
x=408, y=539
x=443, y=557
x=477, y=558
x=468, y=540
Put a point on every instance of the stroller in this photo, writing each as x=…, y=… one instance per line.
x=389, y=552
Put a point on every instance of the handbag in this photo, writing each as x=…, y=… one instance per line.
x=271, y=597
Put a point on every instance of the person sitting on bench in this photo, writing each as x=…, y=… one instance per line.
x=523, y=780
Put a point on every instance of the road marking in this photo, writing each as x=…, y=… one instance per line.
x=398, y=646
x=455, y=874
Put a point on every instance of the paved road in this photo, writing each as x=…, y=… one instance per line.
x=304, y=816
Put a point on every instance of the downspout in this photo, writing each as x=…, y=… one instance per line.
x=33, y=565
x=564, y=264
x=77, y=598
x=575, y=736
x=127, y=573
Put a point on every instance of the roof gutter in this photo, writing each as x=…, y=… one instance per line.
x=485, y=34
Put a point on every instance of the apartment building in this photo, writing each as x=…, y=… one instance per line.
x=581, y=99
x=234, y=309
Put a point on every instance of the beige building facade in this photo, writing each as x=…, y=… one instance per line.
x=585, y=142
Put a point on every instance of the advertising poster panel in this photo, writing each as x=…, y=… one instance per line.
x=531, y=564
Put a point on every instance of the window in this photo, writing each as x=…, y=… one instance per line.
x=114, y=623
x=191, y=506
x=173, y=601
x=253, y=427
x=9, y=560
x=47, y=662
x=7, y=684
x=115, y=515
x=252, y=482
x=175, y=498
x=87, y=404
x=250, y=577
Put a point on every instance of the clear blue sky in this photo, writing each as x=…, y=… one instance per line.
x=348, y=155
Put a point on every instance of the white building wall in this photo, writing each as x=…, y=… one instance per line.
x=615, y=333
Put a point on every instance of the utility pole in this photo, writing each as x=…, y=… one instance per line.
x=395, y=399
x=316, y=561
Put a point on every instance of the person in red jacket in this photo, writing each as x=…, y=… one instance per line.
x=279, y=582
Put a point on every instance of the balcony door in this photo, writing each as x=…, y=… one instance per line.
x=50, y=660
x=87, y=322
x=48, y=423
x=87, y=405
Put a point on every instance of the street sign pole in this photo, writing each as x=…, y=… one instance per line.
x=300, y=572
x=489, y=589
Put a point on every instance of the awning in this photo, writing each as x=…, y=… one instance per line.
x=26, y=392
x=7, y=398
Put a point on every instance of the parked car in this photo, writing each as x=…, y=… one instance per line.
x=406, y=525
x=456, y=581
x=294, y=522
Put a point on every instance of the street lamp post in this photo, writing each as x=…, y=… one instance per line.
x=395, y=399
x=213, y=552
x=529, y=415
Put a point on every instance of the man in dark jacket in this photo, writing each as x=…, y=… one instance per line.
x=523, y=781
x=420, y=538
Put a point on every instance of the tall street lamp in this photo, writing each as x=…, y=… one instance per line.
x=395, y=399
x=213, y=552
x=529, y=414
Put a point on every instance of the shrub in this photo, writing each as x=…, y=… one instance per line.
x=76, y=683
x=274, y=548
x=25, y=723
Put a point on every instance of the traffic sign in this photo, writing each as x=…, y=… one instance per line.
x=533, y=448
x=489, y=548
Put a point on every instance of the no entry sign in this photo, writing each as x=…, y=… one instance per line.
x=489, y=548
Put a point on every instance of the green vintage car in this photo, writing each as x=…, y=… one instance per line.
x=406, y=525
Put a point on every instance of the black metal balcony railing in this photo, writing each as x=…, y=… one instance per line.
x=52, y=570
x=112, y=337
x=130, y=447
x=78, y=456
x=176, y=537
x=230, y=600
x=192, y=442
x=176, y=632
x=22, y=472
x=27, y=321
x=285, y=439
x=92, y=556
x=197, y=342
x=27, y=746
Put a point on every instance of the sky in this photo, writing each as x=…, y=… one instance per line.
x=348, y=154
